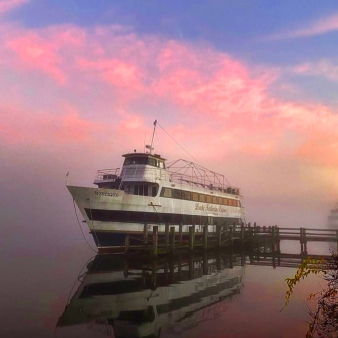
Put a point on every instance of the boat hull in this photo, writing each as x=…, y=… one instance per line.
x=112, y=214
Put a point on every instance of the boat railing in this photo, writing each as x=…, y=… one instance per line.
x=204, y=183
x=107, y=174
x=141, y=173
x=194, y=174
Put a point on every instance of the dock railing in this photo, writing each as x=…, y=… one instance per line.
x=254, y=237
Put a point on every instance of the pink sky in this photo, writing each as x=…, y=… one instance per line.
x=71, y=94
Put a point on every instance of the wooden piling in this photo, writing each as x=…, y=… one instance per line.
x=166, y=271
x=258, y=230
x=155, y=239
x=242, y=234
x=205, y=263
x=171, y=271
x=154, y=271
x=205, y=237
x=191, y=238
x=172, y=240
x=166, y=236
x=231, y=235
x=125, y=269
x=274, y=233
x=219, y=239
x=191, y=263
x=145, y=234
x=126, y=243
x=231, y=261
x=273, y=239
x=180, y=237
x=179, y=267
x=305, y=241
x=278, y=240
x=251, y=258
x=218, y=260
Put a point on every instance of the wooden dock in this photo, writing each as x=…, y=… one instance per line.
x=244, y=236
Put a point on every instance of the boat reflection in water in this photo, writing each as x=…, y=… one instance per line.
x=143, y=299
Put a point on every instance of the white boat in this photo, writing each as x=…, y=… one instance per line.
x=148, y=191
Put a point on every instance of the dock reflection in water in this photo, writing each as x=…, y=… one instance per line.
x=126, y=298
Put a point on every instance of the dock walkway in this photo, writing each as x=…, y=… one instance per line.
x=268, y=238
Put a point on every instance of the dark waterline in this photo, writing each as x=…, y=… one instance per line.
x=202, y=301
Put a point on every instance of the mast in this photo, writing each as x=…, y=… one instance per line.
x=150, y=147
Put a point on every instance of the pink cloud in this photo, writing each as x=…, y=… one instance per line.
x=38, y=54
x=115, y=72
x=211, y=88
x=321, y=26
x=47, y=50
x=318, y=27
x=8, y=5
x=323, y=68
x=43, y=128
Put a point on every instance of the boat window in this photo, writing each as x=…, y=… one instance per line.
x=161, y=164
x=135, y=160
x=238, y=203
x=177, y=193
x=208, y=198
x=219, y=200
x=167, y=192
x=195, y=197
x=141, y=189
x=186, y=195
x=152, y=162
x=154, y=191
x=225, y=201
x=202, y=198
x=214, y=199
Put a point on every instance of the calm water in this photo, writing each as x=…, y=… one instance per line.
x=73, y=293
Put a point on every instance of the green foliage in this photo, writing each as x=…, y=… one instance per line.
x=308, y=266
x=324, y=323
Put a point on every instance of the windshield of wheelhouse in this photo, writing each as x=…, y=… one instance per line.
x=144, y=160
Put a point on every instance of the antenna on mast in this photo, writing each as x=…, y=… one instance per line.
x=150, y=147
